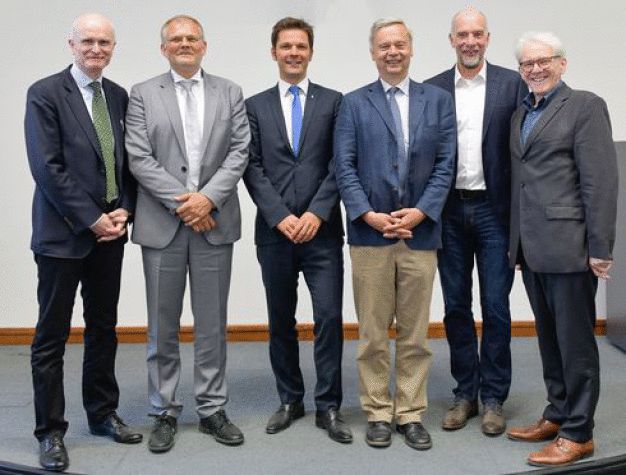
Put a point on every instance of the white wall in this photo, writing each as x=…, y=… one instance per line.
x=238, y=35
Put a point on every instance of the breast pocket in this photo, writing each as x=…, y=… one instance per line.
x=572, y=213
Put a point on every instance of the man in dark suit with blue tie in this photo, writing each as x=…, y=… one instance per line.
x=475, y=225
x=298, y=225
x=394, y=157
x=84, y=194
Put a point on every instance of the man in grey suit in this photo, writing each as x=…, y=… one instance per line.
x=563, y=209
x=298, y=225
x=187, y=141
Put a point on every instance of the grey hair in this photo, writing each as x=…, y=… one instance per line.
x=467, y=11
x=542, y=37
x=179, y=18
x=384, y=22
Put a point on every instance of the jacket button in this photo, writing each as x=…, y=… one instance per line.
x=523, y=185
x=183, y=169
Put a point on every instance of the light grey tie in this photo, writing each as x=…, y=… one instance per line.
x=193, y=136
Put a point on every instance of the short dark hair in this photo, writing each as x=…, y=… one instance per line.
x=290, y=23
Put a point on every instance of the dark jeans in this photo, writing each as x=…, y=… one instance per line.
x=565, y=315
x=471, y=228
x=321, y=263
x=99, y=276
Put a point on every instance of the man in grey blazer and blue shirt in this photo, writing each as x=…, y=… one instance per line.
x=563, y=210
x=298, y=225
x=476, y=224
x=187, y=141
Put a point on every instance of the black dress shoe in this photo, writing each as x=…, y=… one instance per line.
x=219, y=426
x=285, y=415
x=415, y=435
x=333, y=422
x=162, y=435
x=52, y=453
x=378, y=434
x=113, y=426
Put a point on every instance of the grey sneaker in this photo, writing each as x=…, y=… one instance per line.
x=494, y=422
x=459, y=413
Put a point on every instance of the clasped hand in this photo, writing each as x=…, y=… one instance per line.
x=111, y=226
x=195, y=211
x=397, y=224
x=300, y=230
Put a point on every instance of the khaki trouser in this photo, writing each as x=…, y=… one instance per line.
x=393, y=281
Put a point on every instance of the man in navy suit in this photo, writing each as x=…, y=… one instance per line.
x=475, y=225
x=84, y=195
x=298, y=225
x=394, y=154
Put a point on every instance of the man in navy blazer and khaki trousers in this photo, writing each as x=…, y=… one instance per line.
x=476, y=224
x=394, y=151
x=298, y=225
x=84, y=195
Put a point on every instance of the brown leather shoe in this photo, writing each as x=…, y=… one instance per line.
x=458, y=414
x=561, y=452
x=541, y=430
x=493, y=422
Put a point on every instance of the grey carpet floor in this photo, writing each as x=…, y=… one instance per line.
x=302, y=448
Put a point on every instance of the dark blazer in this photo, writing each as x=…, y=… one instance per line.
x=504, y=93
x=281, y=183
x=366, y=160
x=67, y=165
x=564, y=184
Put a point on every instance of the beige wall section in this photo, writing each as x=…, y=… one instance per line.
x=238, y=35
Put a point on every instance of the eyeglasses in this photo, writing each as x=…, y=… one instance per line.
x=543, y=63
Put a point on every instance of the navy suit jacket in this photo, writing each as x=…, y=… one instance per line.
x=67, y=165
x=504, y=93
x=366, y=160
x=281, y=183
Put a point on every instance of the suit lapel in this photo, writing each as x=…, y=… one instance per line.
x=376, y=95
x=77, y=104
x=310, y=110
x=516, y=131
x=552, y=108
x=416, y=110
x=276, y=107
x=211, y=105
x=170, y=102
x=491, y=94
x=117, y=124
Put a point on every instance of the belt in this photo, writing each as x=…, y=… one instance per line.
x=470, y=194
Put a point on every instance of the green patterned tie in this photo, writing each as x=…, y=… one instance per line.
x=104, y=131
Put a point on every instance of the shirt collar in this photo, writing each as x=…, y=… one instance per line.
x=529, y=100
x=81, y=78
x=402, y=85
x=481, y=77
x=178, y=78
x=283, y=86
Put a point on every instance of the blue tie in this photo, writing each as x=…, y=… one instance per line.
x=296, y=118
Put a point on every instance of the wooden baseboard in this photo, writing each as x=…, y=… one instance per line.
x=259, y=332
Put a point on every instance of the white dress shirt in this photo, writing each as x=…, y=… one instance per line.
x=402, y=98
x=286, y=101
x=193, y=156
x=470, y=106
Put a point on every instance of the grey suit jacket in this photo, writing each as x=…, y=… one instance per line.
x=157, y=158
x=564, y=185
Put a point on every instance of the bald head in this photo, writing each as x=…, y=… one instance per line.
x=92, y=40
x=469, y=13
x=469, y=36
